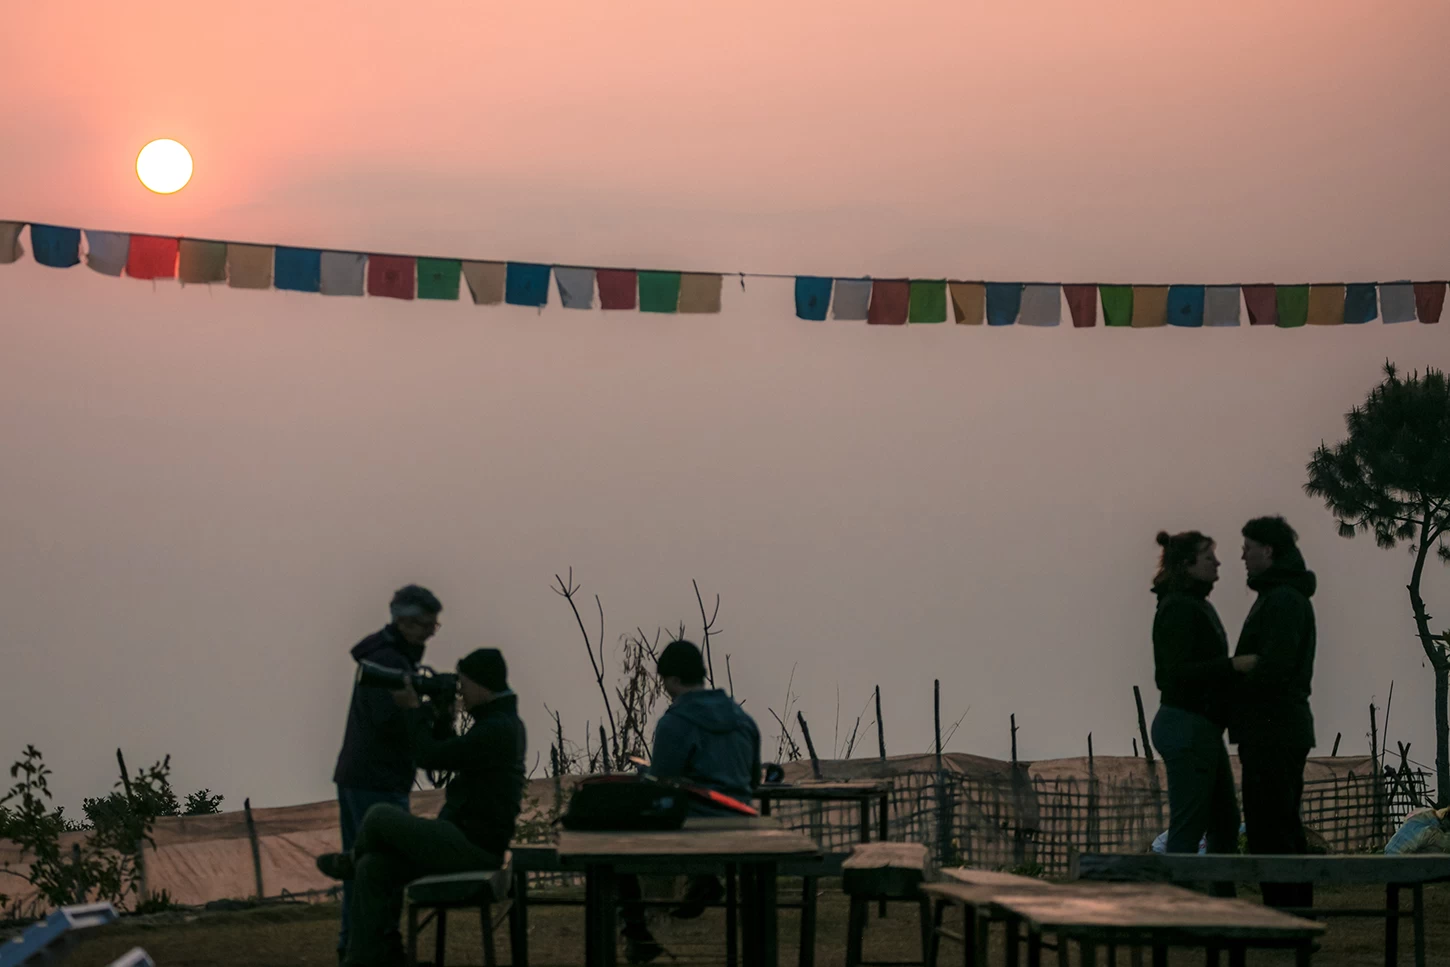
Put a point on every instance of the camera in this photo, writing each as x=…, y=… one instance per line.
x=426, y=682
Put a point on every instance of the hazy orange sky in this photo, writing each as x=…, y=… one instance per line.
x=209, y=494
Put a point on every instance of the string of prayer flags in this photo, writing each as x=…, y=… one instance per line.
x=1117, y=304
x=890, y=302
x=527, y=284
x=1263, y=305
x=297, y=269
x=928, y=301
x=1082, y=303
x=152, y=257
x=1361, y=303
x=969, y=302
x=107, y=252
x=1429, y=300
x=10, y=247
x=1150, y=306
x=852, y=302
x=618, y=288
x=1004, y=301
x=700, y=292
x=1221, y=305
x=56, y=247
x=342, y=273
x=812, y=297
x=201, y=263
x=249, y=266
x=659, y=291
x=438, y=278
x=1041, y=305
x=576, y=287
x=1293, y=305
x=486, y=281
x=1185, y=306
x=1397, y=302
x=392, y=276
x=1326, y=305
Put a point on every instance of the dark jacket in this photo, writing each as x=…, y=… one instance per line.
x=487, y=763
x=1271, y=703
x=1191, y=665
x=705, y=738
x=375, y=752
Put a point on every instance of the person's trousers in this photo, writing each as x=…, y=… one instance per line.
x=1201, y=799
x=392, y=849
x=1273, y=777
x=352, y=806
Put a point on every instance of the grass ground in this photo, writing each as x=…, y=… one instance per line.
x=305, y=936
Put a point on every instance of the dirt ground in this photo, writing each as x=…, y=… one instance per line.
x=305, y=936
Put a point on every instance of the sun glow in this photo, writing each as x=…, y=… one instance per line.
x=164, y=166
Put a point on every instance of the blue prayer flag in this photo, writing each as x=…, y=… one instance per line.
x=1185, y=305
x=526, y=284
x=812, y=297
x=1361, y=303
x=298, y=269
x=59, y=248
x=1004, y=301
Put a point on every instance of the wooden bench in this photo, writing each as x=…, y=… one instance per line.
x=973, y=891
x=1410, y=872
x=884, y=872
x=479, y=890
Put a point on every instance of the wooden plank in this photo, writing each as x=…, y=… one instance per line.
x=695, y=842
x=875, y=856
x=1106, y=911
x=852, y=791
x=973, y=877
x=1193, y=868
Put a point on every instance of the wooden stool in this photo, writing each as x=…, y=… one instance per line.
x=480, y=890
x=884, y=872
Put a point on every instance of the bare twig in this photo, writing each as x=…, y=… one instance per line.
x=567, y=590
x=709, y=629
x=785, y=739
x=728, y=678
x=953, y=730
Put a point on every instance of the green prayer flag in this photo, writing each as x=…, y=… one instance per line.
x=1117, y=304
x=928, y=301
x=1293, y=305
x=438, y=278
x=659, y=291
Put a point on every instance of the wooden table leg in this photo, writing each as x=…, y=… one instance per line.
x=749, y=925
x=938, y=914
x=1014, y=930
x=1237, y=955
x=1392, y=924
x=983, y=932
x=765, y=898
x=1304, y=954
x=1210, y=956
x=519, y=922
x=1135, y=956
x=808, y=922
x=1112, y=955
x=1160, y=955
x=1034, y=947
x=1417, y=900
x=732, y=924
x=607, y=897
x=970, y=926
x=1087, y=953
x=1064, y=951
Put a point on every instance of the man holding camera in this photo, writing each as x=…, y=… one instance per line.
x=376, y=762
x=477, y=822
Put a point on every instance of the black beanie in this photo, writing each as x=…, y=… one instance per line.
x=486, y=667
x=682, y=660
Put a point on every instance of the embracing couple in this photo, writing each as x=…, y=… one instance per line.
x=1260, y=694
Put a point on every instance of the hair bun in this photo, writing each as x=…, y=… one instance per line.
x=1164, y=539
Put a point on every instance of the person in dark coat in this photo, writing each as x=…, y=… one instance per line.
x=476, y=824
x=1271, y=720
x=706, y=739
x=1194, y=674
x=376, y=762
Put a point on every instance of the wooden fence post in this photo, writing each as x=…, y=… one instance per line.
x=943, y=808
x=256, y=847
x=810, y=746
x=1377, y=788
x=1335, y=751
x=880, y=728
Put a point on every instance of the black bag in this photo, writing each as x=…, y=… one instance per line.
x=625, y=803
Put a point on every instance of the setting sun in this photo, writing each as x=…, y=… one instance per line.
x=164, y=166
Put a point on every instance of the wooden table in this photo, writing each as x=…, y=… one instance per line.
x=754, y=847
x=1410, y=872
x=1110, y=915
x=863, y=792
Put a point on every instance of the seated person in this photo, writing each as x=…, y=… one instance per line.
x=474, y=828
x=705, y=739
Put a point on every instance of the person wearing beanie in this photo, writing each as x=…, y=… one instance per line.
x=375, y=764
x=704, y=738
x=480, y=805
x=1271, y=720
x=1194, y=674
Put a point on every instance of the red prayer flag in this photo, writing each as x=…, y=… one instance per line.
x=152, y=258
x=890, y=300
x=618, y=288
x=1429, y=300
x=1262, y=302
x=392, y=276
x=1082, y=302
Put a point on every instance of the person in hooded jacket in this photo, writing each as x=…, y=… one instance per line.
x=1194, y=674
x=706, y=739
x=376, y=762
x=1271, y=719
